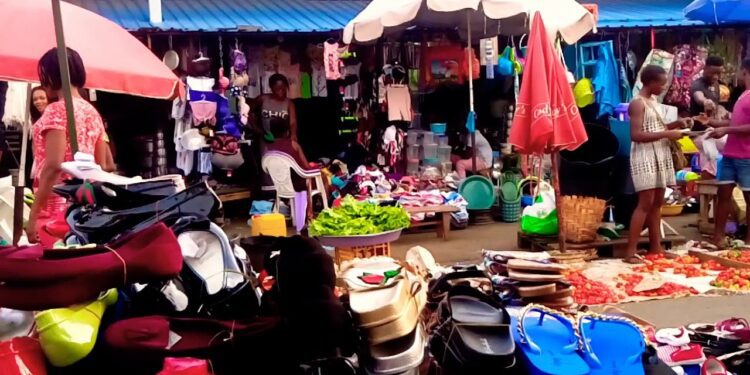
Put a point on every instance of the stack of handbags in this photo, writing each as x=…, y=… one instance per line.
x=473, y=331
x=387, y=301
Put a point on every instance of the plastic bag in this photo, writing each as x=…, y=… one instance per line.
x=541, y=226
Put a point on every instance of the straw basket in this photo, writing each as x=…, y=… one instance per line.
x=581, y=217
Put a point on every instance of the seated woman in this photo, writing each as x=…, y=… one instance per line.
x=464, y=160
x=282, y=142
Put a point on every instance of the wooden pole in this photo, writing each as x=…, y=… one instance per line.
x=62, y=56
x=558, y=200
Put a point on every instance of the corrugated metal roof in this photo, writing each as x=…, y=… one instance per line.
x=642, y=13
x=326, y=15
x=229, y=15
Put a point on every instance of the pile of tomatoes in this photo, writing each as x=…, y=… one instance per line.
x=687, y=265
x=589, y=292
x=688, y=270
x=631, y=280
x=738, y=255
x=733, y=279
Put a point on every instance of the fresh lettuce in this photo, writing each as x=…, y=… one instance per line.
x=354, y=218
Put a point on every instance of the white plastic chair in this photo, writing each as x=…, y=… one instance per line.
x=279, y=166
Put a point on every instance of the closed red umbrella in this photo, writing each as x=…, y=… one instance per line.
x=547, y=118
x=115, y=60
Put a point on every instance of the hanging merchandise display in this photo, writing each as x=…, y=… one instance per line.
x=488, y=52
x=331, y=60
x=448, y=62
x=606, y=80
x=660, y=58
x=688, y=66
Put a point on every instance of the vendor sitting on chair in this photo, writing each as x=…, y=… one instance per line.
x=463, y=158
x=282, y=142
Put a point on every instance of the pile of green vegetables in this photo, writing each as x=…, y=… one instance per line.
x=354, y=218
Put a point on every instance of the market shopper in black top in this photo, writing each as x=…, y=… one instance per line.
x=704, y=92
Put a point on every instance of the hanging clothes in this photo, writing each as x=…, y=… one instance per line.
x=16, y=103
x=606, y=81
x=398, y=99
x=391, y=148
x=332, y=61
x=688, y=63
x=626, y=92
x=319, y=82
x=351, y=91
x=661, y=58
x=254, y=71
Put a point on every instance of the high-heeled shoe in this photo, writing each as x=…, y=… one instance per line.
x=68, y=335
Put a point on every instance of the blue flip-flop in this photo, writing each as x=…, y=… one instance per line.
x=612, y=345
x=548, y=342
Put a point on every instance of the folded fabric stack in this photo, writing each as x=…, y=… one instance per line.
x=387, y=301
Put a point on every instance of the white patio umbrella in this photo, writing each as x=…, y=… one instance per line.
x=483, y=18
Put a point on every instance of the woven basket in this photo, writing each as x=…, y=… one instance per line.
x=510, y=211
x=581, y=217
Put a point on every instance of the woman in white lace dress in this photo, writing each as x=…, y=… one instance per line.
x=650, y=159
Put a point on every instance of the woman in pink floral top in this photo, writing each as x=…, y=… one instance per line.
x=51, y=142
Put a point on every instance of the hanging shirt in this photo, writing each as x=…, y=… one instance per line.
x=319, y=83
x=331, y=61
x=254, y=71
x=16, y=103
x=352, y=91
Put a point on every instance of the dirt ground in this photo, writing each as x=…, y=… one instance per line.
x=465, y=246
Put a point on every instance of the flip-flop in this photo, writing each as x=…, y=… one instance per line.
x=548, y=342
x=475, y=332
x=611, y=345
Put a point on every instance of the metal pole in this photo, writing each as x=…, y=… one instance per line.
x=470, y=61
x=17, y=206
x=62, y=56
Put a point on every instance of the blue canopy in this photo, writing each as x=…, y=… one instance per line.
x=719, y=11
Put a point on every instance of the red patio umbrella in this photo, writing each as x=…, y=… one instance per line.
x=546, y=119
x=115, y=60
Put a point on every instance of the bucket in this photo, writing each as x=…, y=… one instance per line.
x=587, y=171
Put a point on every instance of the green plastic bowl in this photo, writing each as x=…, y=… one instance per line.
x=478, y=192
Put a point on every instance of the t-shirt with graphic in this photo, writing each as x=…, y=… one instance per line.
x=738, y=145
x=89, y=130
x=272, y=108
